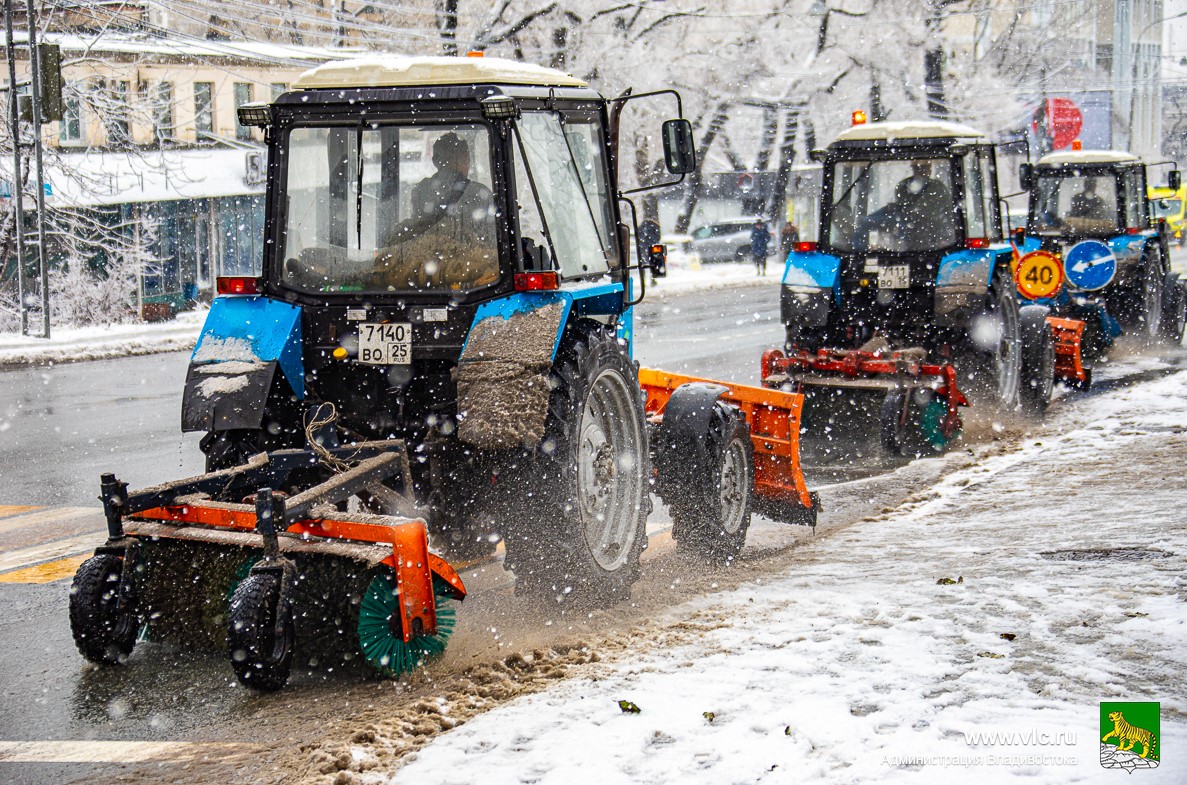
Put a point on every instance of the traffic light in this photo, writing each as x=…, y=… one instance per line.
x=49, y=56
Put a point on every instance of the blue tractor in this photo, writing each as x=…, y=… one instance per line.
x=1089, y=209
x=911, y=253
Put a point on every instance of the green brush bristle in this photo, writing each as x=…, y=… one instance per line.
x=387, y=652
x=931, y=423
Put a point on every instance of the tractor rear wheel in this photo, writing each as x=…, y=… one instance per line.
x=1138, y=305
x=996, y=355
x=581, y=529
x=260, y=633
x=1174, y=311
x=711, y=511
x=1038, y=362
x=103, y=614
x=224, y=449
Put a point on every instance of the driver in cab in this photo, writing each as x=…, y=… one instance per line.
x=450, y=241
x=921, y=215
x=1089, y=204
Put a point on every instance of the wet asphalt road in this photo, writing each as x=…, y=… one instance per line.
x=61, y=427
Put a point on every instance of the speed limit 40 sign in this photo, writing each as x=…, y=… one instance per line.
x=1038, y=274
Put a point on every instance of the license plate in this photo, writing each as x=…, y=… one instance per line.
x=894, y=276
x=385, y=344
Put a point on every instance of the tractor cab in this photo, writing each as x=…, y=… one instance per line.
x=407, y=199
x=1083, y=194
x=1089, y=209
x=910, y=233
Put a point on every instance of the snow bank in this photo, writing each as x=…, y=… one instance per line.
x=967, y=636
x=103, y=342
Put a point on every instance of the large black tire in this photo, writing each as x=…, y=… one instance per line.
x=1174, y=310
x=1138, y=305
x=103, y=616
x=581, y=530
x=224, y=449
x=996, y=369
x=1038, y=361
x=808, y=339
x=711, y=512
x=261, y=650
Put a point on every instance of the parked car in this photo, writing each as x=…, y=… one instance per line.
x=723, y=241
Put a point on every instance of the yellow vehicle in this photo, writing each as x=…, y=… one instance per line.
x=1169, y=204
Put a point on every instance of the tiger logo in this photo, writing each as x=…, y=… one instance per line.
x=1127, y=735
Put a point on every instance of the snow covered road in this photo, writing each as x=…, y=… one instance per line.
x=864, y=664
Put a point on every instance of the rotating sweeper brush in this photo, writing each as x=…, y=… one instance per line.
x=224, y=560
x=911, y=404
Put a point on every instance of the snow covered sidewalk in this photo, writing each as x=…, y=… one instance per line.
x=1006, y=602
x=76, y=344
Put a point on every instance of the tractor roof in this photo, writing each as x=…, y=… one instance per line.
x=400, y=71
x=908, y=130
x=1083, y=157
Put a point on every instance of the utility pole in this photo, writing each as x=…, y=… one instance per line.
x=35, y=90
x=20, y=170
x=18, y=179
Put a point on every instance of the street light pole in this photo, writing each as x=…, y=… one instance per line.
x=1133, y=74
x=18, y=180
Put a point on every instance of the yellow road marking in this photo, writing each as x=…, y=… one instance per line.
x=48, y=517
x=27, y=557
x=14, y=509
x=116, y=751
x=46, y=573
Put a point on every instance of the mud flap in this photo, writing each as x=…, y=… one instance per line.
x=226, y=395
x=680, y=452
x=502, y=378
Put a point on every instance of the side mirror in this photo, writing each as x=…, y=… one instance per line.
x=1026, y=176
x=657, y=260
x=680, y=154
x=1174, y=179
x=818, y=155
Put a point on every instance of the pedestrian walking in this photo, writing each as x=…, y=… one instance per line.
x=760, y=240
x=789, y=235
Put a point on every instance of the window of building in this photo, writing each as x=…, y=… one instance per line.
x=70, y=128
x=162, y=111
x=115, y=112
x=277, y=89
x=204, y=109
x=242, y=96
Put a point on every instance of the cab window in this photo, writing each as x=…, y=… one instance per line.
x=570, y=189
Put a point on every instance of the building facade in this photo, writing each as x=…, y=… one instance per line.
x=149, y=142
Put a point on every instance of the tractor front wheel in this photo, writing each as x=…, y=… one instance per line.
x=711, y=509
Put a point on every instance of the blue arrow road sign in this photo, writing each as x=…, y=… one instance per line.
x=1090, y=265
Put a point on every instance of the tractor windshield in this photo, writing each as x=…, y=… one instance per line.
x=389, y=208
x=1075, y=203
x=892, y=206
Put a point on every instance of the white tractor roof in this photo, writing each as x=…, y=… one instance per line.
x=909, y=129
x=1088, y=157
x=400, y=71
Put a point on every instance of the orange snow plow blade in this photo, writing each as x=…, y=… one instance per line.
x=774, y=420
x=1069, y=365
